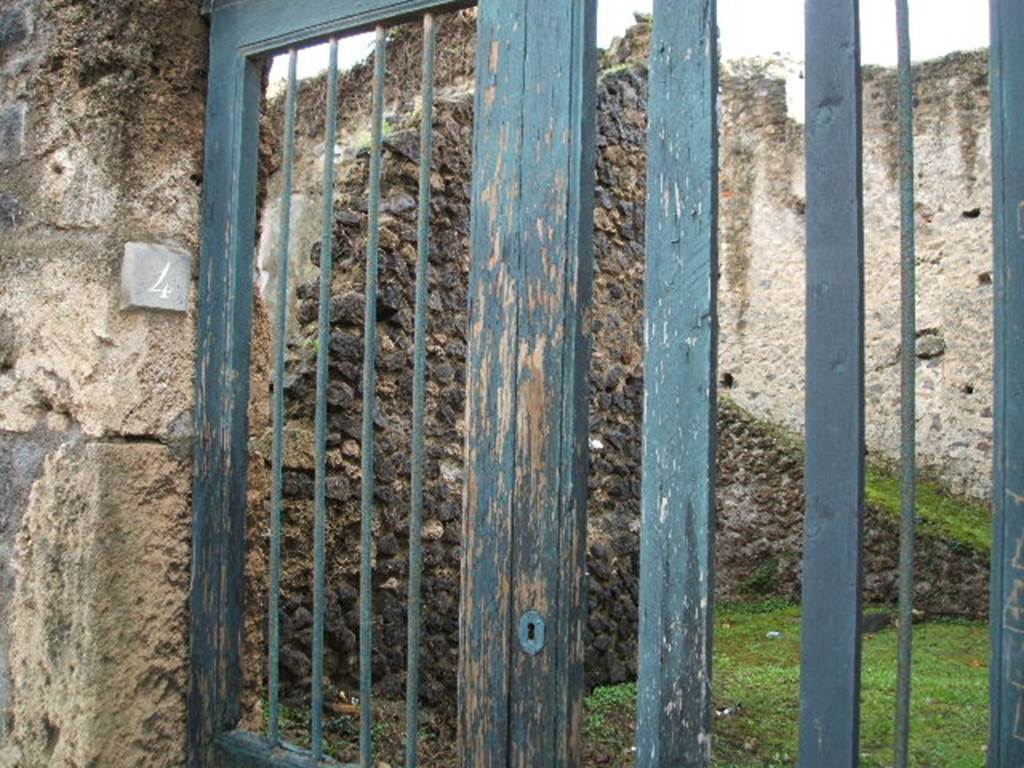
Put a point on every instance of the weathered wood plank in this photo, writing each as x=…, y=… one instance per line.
x=238, y=749
x=677, y=528
x=1007, y=618
x=220, y=427
x=830, y=652
x=268, y=26
x=486, y=629
x=568, y=632
x=524, y=521
x=549, y=514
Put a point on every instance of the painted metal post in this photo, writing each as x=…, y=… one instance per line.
x=323, y=356
x=369, y=393
x=1007, y=618
x=908, y=386
x=419, y=400
x=277, y=462
x=677, y=529
x=524, y=523
x=834, y=474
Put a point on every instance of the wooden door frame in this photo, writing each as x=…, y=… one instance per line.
x=242, y=34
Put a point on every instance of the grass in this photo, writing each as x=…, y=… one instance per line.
x=757, y=676
x=940, y=514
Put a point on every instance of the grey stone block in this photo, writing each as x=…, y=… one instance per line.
x=10, y=211
x=930, y=344
x=12, y=131
x=13, y=27
x=155, y=276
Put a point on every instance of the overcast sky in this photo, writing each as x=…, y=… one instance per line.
x=764, y=27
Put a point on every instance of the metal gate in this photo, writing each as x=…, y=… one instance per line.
x=524, y=519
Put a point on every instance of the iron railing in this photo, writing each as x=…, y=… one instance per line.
x=274, y=739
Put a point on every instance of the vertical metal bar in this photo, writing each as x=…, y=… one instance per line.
x=677, y=526
x=412, y=710
x=908, y=375
x=369, y=410
x=832, y=574
x=280, y=329
x=322, y=382
x=1007, y=617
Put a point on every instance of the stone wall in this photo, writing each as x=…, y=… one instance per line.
x=760, y=499
x=761, y=291
x=762, y=287
x=101, y=127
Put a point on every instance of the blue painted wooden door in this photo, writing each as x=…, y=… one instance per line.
x=524, y=519
x=521, y=651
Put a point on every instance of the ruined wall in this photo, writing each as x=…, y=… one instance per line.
x=761, y=290
x=760, y=496
x=101, y=125
x=762, y=287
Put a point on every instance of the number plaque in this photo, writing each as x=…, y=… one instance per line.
x=155, y=276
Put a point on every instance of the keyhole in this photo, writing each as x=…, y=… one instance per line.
x=531, y=632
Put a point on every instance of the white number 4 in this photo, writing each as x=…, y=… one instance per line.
x=160, y=286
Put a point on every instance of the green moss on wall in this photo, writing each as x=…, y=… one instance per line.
x=941, y=515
